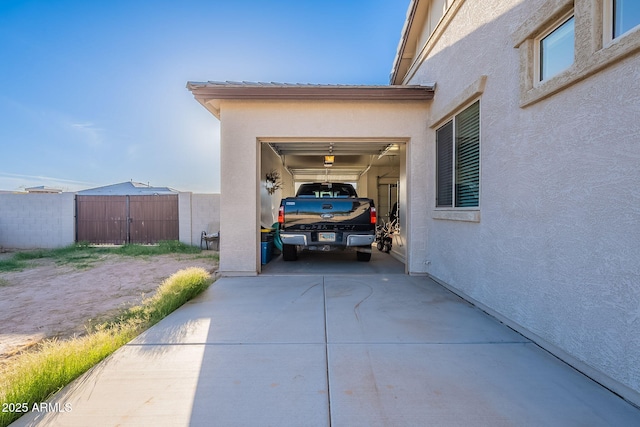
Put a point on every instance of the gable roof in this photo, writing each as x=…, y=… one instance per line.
x=128, y=188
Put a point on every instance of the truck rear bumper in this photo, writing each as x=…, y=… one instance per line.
x=303, y=240
x=294, y=239
x=360, y=240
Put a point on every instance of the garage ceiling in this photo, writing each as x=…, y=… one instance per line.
x=305, y=159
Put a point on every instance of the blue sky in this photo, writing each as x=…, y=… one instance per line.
x=93, y=93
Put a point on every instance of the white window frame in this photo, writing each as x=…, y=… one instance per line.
x=538, y=49
x=607, y=25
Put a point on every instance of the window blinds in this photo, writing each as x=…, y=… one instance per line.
x=444, y=165
x=468, y=156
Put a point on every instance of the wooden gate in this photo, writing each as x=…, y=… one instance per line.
x=126, y=219
x=153, y=218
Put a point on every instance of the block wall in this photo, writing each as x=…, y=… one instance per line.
x=198, y=213
x=29, y=221
x=34, y=221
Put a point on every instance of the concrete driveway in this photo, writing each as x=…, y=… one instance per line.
x=380, y=349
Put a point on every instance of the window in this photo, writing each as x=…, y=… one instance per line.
x=458, y=160
x=558, y=53
x=557, y=49
x=626, y=15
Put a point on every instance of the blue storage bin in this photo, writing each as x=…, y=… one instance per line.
x=267, y=249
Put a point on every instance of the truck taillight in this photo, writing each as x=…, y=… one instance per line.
x=374, y=218
x=281, y=215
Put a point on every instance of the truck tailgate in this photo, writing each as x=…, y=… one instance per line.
x=327, y=214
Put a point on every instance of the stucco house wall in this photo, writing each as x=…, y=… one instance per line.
x=246, y=124
x=555, y=246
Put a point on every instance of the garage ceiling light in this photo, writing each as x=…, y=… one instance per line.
x=328, y=161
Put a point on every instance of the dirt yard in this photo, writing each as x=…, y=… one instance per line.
x=47, y=300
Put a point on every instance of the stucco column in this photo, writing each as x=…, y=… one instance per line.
x=238, y=199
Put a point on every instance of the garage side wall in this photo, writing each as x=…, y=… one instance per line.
x=29, y=221
x=269, y=203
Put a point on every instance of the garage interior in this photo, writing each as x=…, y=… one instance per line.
x=374, y=167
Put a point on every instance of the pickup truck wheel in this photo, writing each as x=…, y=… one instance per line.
x=363, y=256
x=289, y=252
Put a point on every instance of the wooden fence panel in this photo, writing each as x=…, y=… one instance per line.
x=127, y=219
x=101, y=219
x=153, y=218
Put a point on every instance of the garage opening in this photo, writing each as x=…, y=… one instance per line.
x=259, y=118
x=374, y=167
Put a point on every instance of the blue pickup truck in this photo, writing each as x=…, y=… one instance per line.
x=324, y=217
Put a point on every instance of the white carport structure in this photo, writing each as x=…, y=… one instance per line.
x=287, y=129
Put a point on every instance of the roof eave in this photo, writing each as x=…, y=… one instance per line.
x=312, y=92
x=209, y=93
x=395, y=77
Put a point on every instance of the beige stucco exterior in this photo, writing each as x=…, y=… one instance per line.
x=553, y=248
x=247, y=125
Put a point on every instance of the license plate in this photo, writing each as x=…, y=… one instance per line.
x=326, y=237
